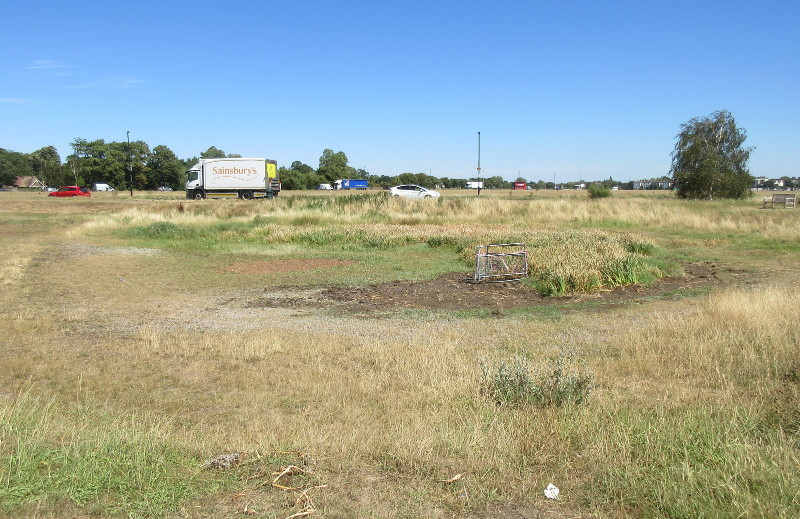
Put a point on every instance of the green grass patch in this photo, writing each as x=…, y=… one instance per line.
x=695, y=462
x=52, y=456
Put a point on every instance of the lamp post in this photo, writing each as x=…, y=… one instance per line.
x=130, y=163
x=479, y=163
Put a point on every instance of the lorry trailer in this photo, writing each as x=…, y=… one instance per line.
x=233, y=178
x=350, y=183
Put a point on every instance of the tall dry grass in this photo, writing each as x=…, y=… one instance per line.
x=710, y=217
x=692, y=414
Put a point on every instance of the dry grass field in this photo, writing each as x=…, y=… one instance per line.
x=169, y=358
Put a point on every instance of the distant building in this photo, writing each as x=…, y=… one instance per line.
x=29, y=182
x=652, y=184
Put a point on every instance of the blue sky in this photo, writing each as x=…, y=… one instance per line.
x=576, y=90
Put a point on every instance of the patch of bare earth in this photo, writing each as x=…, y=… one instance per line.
x=453, y=291
x=284, y=265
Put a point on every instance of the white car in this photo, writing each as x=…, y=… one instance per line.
x=413, y=191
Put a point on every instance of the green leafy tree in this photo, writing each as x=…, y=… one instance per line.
x=213, y=153
x=90, y=163
x=164, y=169
x=301, y=168
x=188, y=163
x=333, y=166
x=608, y=184
x=452, y=183
x=46, y=164
x=495, y=182
x=134, y=157
x=300, y=176
x=420, y=179
x=12, y=165
x=710, y=160
x=292, y=179
x=104, y=162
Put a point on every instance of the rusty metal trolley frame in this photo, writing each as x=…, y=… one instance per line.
x=500, y=262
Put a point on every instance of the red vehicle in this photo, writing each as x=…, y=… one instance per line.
x=519, y=185
x=71, y=191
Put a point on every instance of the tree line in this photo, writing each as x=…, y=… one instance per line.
x=118, y=163
x=98, y=161
x=709, y=161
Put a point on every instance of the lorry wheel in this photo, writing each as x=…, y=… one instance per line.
x=246, y=195
x=199, y=195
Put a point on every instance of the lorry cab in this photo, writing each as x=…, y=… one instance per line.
x=193, y=178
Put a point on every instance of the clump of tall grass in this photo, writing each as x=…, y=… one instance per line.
x=564, y=262
x=515, y=382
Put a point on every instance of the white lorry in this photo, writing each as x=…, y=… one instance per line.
x=472, y=184
x=233, y=178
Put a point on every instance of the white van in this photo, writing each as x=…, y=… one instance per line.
x=102, y=187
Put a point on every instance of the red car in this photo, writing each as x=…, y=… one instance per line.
x=72, y=191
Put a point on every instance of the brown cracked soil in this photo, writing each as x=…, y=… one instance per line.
x=453, y=291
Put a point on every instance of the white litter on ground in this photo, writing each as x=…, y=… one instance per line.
x=551, y=491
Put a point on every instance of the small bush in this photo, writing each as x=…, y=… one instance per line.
x=596, y=192
x=516, y=383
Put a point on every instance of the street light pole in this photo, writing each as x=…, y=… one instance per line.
x=130, y=163
x=479, y=163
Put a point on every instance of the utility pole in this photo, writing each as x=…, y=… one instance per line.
x=479, y=163
x=130, y=163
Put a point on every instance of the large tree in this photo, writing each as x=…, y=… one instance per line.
x=104, y=162
x=12, y=165
x=47, y=166
x=495, y=182
x=333, y=166
x=164, y=169
x=213, y=153
x=710, y=160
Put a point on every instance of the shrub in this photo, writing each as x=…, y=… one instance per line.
x=515, y=383
x=596, y=191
